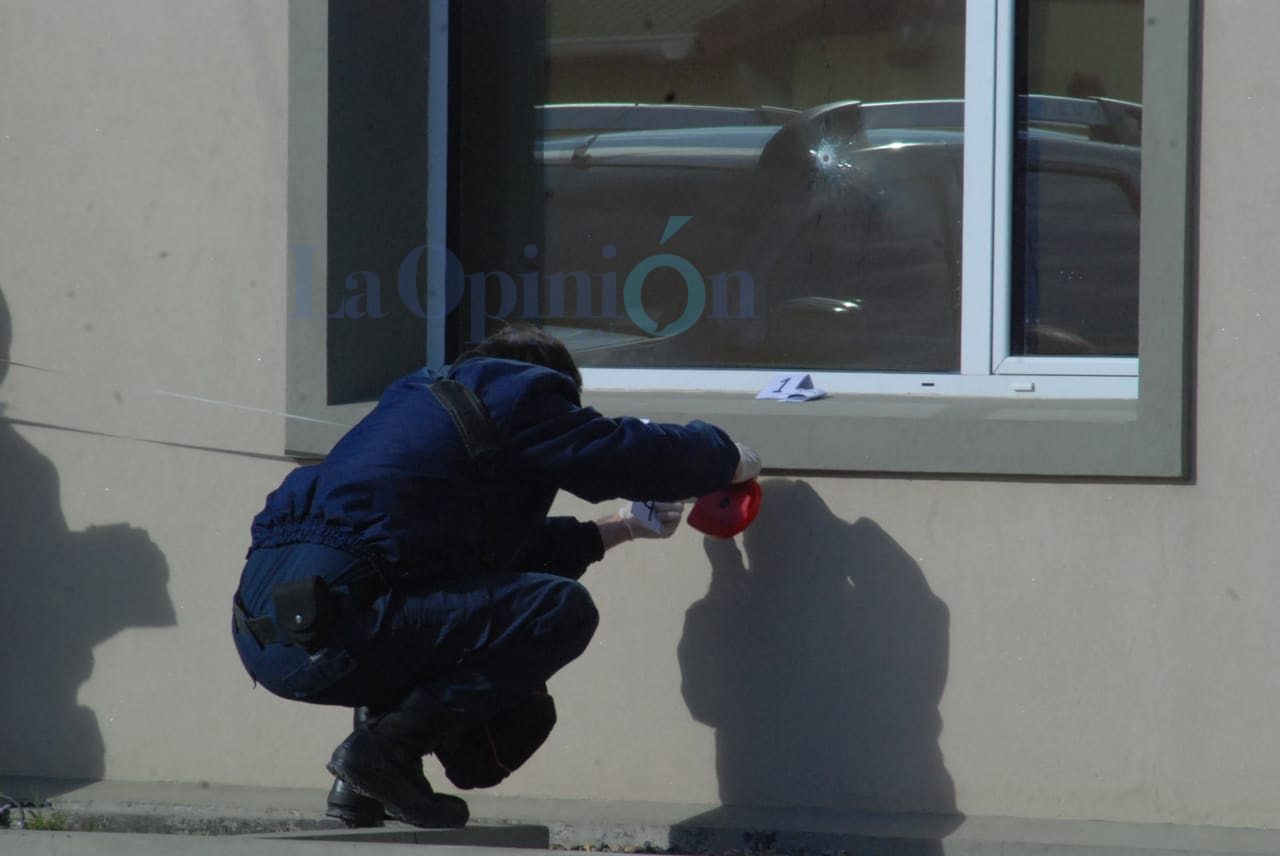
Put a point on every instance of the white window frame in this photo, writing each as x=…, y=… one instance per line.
x=987, y=368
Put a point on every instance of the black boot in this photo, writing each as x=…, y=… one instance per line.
x=383, y=760
x=347, y=805
x=352, y=808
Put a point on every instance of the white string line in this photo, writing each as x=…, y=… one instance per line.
x=27, y=423
x=195, y=398
x=250, y=408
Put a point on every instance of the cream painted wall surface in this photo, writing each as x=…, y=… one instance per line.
x=142, y=261
x=1073, y=650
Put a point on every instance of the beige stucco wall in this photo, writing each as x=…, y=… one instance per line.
x=1079, y=650
x=142, y=158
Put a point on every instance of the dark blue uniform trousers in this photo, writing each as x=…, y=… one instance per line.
x=478, y=645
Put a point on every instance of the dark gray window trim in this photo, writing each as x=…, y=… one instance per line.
x=314, y=424
x=1150, y=437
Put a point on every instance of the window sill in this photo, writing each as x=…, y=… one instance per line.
x=1110, y=438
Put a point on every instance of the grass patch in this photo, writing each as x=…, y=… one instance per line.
x=52, y=820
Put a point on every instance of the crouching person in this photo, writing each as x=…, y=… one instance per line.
x=415, y=576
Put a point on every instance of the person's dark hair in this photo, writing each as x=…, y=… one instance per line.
x=530, y=344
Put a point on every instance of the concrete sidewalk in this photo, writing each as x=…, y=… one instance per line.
x=132, y=818
x=33, y=843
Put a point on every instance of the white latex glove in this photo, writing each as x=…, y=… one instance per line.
x=665, y=519
x=748, y=464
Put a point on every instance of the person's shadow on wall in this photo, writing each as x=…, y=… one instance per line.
x=820, y=660
x=61, y=593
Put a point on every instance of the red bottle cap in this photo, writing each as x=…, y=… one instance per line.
x=727, y=512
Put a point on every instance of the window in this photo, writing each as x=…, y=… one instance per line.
x=957, y=216
x=1075, y=283
x=361, y=126
x=814, y=155
x=376, y=148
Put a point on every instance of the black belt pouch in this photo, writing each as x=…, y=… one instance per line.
x=306, y=611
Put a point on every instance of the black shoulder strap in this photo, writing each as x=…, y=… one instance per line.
x=478, y=435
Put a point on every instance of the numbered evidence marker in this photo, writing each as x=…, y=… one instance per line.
x=644, y=511
x=792, y=387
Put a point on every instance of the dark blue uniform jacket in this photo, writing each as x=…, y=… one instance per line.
x=401, y=491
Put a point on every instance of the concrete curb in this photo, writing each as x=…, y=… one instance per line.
x=294, y=817
x=31, y=843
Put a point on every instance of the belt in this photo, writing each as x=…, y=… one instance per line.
x=361, y=592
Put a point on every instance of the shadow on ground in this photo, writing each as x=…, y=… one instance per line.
x=63, y=593
x=819, y=658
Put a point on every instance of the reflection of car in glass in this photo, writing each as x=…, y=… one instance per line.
x=831, y=238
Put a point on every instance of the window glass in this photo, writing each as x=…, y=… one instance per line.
x=736, y=183
x=376, y=194
x=1077, y=174
x=1079, y=284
